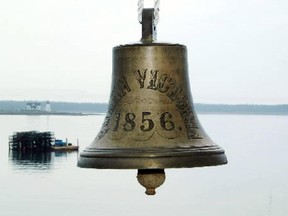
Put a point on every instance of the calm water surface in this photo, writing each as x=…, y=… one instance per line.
x=254, y=183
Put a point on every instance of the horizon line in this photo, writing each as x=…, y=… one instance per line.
x=94, y=102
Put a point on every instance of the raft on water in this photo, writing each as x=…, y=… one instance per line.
x=35, y=140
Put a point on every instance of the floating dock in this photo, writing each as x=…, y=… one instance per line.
x=35, y=140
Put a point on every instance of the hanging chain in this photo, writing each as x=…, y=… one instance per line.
x=156, y=10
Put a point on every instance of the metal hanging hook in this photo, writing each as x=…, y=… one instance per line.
x=149, y=31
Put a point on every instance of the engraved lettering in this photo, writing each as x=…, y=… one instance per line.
x=153, y=80
x=166, y=122
x=190, y=123
x=104, y=128
x=140, y=77
x=129, y=122
x=121, y=88
x=163, y=84
x=123, y=85
x=172, y=94
x=148, y=124
x=117, y=119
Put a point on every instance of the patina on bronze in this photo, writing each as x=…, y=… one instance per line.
x=151, y=122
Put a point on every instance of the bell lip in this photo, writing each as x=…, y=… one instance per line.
x=114, y=159
x=140, y=44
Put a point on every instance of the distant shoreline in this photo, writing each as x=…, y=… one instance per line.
x=46, y=113
x=30, y=113
x=82, y=109
x=242, y=113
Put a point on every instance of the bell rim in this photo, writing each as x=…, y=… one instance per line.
x=167, y=158
x=150, y=152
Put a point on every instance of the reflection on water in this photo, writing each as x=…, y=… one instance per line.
x=37, y=160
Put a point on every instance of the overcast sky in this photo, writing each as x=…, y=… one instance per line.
x=62, y=49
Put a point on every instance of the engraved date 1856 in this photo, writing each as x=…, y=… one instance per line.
x=130, y=122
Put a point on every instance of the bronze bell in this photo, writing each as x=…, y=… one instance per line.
x=151, y=123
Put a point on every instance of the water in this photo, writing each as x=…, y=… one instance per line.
x=254, y=183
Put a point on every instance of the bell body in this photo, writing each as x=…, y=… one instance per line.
x=151, y=122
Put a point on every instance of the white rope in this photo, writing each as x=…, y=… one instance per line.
x=156, y=10
x=140, y=10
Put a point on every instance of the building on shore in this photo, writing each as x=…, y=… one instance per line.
x=33, y=106
x=37, y=106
